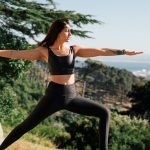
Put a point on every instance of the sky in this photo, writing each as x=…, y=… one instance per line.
x=126, y=25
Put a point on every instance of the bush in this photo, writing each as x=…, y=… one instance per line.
x=11, y=69
x=54, y=132
x=7, y=101
x=82, y=130
x=125, y=133
x=129, y=134
x=140, y=98
x=16, y=116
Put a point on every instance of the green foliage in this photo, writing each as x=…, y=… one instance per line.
x=125, y=133
x=28, y=91
x=32, y=18
x=55, y=132
x=140, y=98
x=16, y=116
x=11, y=68
x=7, y=101
x=82, y=129
x=129, y=134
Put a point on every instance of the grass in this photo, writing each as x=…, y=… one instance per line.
x=29, y=142
x=25, y=145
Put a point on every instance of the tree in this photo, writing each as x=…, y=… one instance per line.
x=103, y=80
x=140, y=98
x=12, y=68
x=31, y=18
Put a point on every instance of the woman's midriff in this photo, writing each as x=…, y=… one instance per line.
x=63, y=79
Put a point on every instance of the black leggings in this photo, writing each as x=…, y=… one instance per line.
x=58, y=97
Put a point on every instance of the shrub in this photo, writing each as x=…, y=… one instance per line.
x=16, y=116
x=7, y=101
x=125, y=133
x=54, y=132
x=129, y=134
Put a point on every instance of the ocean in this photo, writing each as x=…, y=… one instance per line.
x=140, y=69
x=129, y=65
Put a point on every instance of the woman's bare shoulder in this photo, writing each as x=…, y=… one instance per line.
x=41, y=48
x=76, y=47
x=43, y=51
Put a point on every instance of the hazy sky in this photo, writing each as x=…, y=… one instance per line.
x=126, y=24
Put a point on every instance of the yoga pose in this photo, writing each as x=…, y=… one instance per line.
x=61, y=93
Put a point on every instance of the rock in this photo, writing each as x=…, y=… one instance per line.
x=1, y=134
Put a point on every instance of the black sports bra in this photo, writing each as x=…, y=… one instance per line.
x=61, y=65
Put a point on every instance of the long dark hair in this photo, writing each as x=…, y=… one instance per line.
x=53, y=32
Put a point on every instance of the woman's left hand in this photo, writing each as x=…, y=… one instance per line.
x=133, y=53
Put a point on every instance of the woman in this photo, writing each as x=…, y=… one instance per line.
x=61, y=93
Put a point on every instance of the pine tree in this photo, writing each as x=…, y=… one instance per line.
x=31, y=18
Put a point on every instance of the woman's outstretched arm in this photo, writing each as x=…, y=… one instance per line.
x=92, y=52
x=34, y=54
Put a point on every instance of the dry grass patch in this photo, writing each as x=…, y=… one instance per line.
x=25, y=145
x=29, y=142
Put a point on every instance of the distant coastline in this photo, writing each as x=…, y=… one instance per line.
x=129, y=65
x=138, y=68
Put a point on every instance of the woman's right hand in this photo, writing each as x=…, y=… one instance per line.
x=132, y=52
